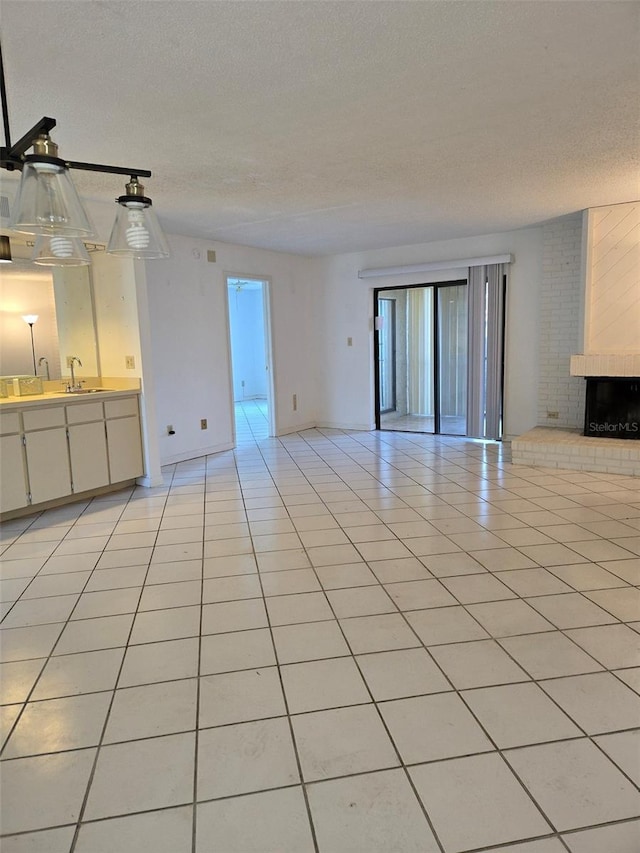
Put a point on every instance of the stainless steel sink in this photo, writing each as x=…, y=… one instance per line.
x=89, y=390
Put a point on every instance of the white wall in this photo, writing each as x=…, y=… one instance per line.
x=122, y=329
x=612, y=316
x=344, y=309
x=116, y=309
x=561, y=396
x=188, y=328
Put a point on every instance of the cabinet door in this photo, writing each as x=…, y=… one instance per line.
x=88, y=453
x=48, y=464
x=13, y=480
x=125, y=449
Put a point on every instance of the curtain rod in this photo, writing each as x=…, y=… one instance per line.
x=436, y=265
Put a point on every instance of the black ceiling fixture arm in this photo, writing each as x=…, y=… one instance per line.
x=17, y=150
x=12, y=156
x=113, y=170
x=5, y=108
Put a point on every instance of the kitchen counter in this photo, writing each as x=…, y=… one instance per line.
x=52, y=397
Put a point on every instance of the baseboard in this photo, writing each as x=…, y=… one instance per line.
x=354, y=427
x=150, y=482
x=195, y=454
x=300, y=428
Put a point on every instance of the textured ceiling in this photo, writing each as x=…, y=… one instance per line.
x=324, y=127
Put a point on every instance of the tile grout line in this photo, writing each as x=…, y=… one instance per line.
x=105, y=724
x=303, y=787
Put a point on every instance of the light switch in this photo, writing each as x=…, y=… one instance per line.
x=349, y=342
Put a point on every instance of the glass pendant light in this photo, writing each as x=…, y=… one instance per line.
x=60, y=251
x=136, y=232
x=47, y=202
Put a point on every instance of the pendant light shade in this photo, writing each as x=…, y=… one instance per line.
x=60, y=251
x=5, y=250
x=47, y=201
x=136, y=232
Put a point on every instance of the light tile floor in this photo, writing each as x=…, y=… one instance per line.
x=449, y=424
x=328, y=642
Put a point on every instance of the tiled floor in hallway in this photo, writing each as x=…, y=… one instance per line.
x=332, y=641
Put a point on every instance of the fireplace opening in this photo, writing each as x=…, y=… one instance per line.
x=613, y=407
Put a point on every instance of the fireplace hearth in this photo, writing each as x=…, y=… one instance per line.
x=612, y=407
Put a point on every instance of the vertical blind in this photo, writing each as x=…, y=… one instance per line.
x=420, y=370
x=485, y=337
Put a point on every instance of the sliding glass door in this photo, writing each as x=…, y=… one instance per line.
x=430, y=364
x=448, y=363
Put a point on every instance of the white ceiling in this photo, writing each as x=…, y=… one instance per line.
x=322, y=127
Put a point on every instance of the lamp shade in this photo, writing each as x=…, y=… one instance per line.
x=30, y=319
x=60, y=251
x=137, y=233
x=47, y=201
x=5, y=250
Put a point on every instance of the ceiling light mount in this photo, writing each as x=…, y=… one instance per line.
x=136, y=231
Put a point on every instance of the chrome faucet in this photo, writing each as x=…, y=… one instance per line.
x=72, y=385
x=46, y=363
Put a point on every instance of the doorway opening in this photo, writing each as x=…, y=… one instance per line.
x=250, y=344
x=438, y=358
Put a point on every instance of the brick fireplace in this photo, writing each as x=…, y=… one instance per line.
x=601, y=324
x=612, y=407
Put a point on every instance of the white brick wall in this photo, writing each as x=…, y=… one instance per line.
x=566, y=449
x=560, y=321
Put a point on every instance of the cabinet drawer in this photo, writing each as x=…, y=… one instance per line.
x=84, y=412
x=43, y=418
x=121, y=408
x=9, y=422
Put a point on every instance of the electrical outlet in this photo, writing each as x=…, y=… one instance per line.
x=203, y=423
x=295, y=402
x=553, y=415
x=349, y=342
x=130, y=362
x=242, y=383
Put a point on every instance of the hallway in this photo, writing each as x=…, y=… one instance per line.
x=330, y=641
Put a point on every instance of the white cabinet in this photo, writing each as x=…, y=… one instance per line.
x=124, y=439
x=87, y=446
x=48, y=464
x=14, y=488
x=56, y=451
x=125, y=451
x=45, y=441
x=88, y=454
x=13, y=475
